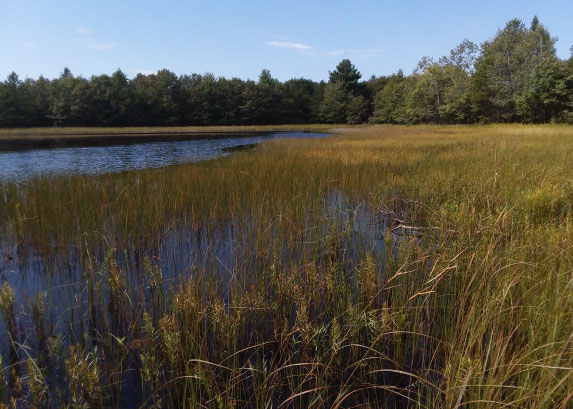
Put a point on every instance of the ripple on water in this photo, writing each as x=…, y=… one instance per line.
x=94, y=160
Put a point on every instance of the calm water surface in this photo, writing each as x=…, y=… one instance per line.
x=93, y=160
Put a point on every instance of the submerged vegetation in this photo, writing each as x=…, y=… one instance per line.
x=393, y=267
x=514, y=77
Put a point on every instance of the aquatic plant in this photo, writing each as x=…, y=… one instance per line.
x=388, y=267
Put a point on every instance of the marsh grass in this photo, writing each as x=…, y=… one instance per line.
x=79, y=132
x=398, y=267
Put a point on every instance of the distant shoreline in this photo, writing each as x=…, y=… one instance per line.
x=45, y=138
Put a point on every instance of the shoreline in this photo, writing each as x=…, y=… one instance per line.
x=48, y=138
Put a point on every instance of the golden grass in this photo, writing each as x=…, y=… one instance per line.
x=470, y=304
x=90, y=131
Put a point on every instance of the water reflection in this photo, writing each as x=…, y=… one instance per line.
x=347, y=232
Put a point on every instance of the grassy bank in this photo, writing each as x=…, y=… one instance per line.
x=389, y=267
x=35, y=138
x=151, y=130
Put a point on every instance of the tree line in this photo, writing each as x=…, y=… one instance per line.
x=514, y=77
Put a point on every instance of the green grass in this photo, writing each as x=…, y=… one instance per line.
x=470, y=304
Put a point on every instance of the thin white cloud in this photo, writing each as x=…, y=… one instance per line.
x=29, y=44
x=88, y=41
x=101, y=46
x=286, y=44
x=356, y=52
x=336, y=52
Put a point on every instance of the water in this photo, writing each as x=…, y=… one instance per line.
x=93, y=160
x=228, y=253
x=222, y=253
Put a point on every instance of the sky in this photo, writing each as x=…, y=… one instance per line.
x=239, y=38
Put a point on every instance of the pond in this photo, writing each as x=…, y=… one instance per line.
x=93, y=160
x=97, y=288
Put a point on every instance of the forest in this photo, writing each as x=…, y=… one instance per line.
x=514, y=77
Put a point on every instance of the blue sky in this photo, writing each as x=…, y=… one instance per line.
x=239, y=38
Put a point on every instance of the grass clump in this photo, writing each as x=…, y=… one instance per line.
x=396, y=267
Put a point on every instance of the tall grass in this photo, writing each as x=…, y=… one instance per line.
x=394, y=267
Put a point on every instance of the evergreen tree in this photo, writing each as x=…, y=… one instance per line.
x=390, y=103
x=342, y=87
x=333, y=108
x=11, y=113
x=357, y=110
x=347, y=74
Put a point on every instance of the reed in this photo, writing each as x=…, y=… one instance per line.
x=394, y=267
